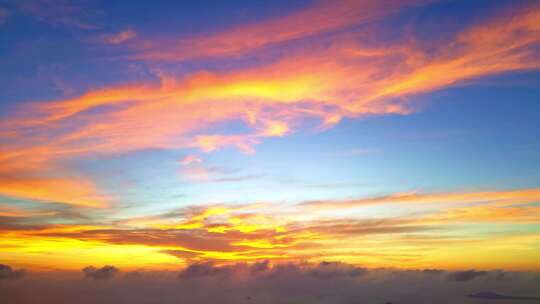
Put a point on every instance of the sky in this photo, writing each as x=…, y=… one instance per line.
x=350, y=134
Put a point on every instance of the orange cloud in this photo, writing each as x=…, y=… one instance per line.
x=59, y=190
x=120, y=37
x=31, y=177
x=489, y=214
x=344, y=79
x=9, y=211
x=323, y=17
x=339, y=77
x=501, y=197
x=503, y=45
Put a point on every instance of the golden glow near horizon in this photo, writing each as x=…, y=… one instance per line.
x=283, y=233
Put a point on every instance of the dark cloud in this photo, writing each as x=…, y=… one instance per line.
x=196, y=239
x=103, y=273
x=347, y=227
x=464, y=276
x=259, y=283
x=134, y=275
x=34, y=217
x=433, y=271
x=8, y=273
x=284, y=270
x=260, y=267
x=8, y=223
x=488, y=295
x=206, y=269
x=321, y=271
x=499, y=275
x=329, y=270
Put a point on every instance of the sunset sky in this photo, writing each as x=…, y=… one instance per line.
x=400, y=134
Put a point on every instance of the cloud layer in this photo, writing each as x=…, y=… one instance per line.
x=345, y=75
x=263, y=282
x=285, y=232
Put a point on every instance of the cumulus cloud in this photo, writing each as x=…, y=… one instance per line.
x=264, y=269
x=8, y=273
x=103, y=273
x=206, y=269
x=464, y=276
x=328, y=270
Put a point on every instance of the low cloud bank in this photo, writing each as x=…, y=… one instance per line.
x=263, y=270
x=487, y=295
x=265, y=282
x=8, y=273
x=103, y=273
x=464, y=276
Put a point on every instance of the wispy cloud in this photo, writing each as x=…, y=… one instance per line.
x=312, y=87
x=190, y=159
x=61, y=13
x=194, y=170
x=60, y=190
x=510, y=197
x=353, y=152
x=4, y=14
x=120, y=37
x=321, y=18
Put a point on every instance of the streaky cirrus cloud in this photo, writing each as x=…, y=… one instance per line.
x=320, y=18
x=510, y=196
x=120, y=37
x=78, y=192
x=313, y=86
x=502, y=198
x=338, y=78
